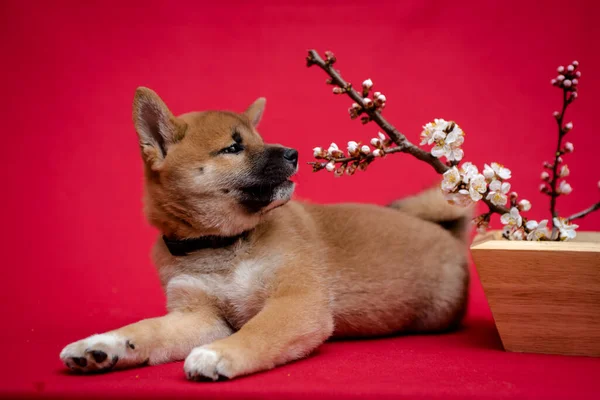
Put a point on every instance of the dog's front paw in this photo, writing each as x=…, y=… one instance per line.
x=205, y=363
x=97, y=353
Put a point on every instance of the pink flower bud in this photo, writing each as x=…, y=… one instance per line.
x=573, y=95
x=338, y=172
x=559, y=160
x=578, y=74
x=575, y=81
x=338, y=90
x=556, y=114
x=330, y=166
x=560, y=78
x=553, y=82
x=569, y=147
x=560, y=69
x=375, y=142
x=367, y=101
x=545, y=176
x=378, y=153
x=367, y=84
x=567, y=83
x=575, y=63
x=543, y=188
x=568, y=126
x=514, y=195
x=365, y=149
x=570, y=68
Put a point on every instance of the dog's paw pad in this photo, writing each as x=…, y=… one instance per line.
x=95, y=354
x=204, y=364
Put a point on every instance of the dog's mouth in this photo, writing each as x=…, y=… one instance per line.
x=266, y=196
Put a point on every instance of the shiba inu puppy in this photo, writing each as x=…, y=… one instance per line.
x=254, y=280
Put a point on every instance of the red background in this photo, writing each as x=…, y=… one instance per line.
x=75, y=243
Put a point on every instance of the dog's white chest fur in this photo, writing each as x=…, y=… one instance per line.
x=240, y=291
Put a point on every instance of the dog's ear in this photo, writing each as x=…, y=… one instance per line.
x=156, y=126
x=255, y=111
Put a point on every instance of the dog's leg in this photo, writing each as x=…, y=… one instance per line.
x=150, y=341
x=287, y=328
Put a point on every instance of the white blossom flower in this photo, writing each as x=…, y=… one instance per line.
x=380, y=98
x=378, y=153
x=498, y=191
x=330, y=166
x=524, y=205
x=468, y=171
x=477, y=187
x=451, y=180
x=488, y=172
x=545, y=176
x=537, y=231
x=566, y=229
x=564, y=171
x=569, y=147
x=317, y=152
x=375, y=142
x=431, y=135
x=367, y=101
x=332, y=147
x=365, y=149
x=564, y=188
x=461, y=198
x=450, y=146
x=441, y=124
x=367, y=84
x=517, y=234
x=569, y=126
x=498, y=170
x=512, y=218
x=352, y=147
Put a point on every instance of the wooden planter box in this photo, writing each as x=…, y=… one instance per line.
x=545, y=296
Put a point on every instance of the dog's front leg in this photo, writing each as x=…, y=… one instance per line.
x=150, y=341
x=287, y=328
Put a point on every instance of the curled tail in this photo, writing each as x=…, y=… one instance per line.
x=430, y=205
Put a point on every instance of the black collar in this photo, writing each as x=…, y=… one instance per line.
x=182, y=247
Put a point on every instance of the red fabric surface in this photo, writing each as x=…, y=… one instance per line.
x=75, y=243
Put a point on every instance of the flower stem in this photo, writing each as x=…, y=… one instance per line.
x=585, y=212
x=561, y=134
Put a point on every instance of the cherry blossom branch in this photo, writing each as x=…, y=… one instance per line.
x=562, y=131
x=585, y=212
x=373, y=113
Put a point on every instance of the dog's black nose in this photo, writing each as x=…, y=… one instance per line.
x=291, y=155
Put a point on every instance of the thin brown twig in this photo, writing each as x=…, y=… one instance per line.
x=403, y=144
x=585, y=212
x=364, y=157
x=561, y=134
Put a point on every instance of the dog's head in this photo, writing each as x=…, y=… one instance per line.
x=209, y=173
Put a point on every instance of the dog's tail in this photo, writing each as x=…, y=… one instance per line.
x=430, y=205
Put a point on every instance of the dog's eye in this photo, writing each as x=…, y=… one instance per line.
x=233, y=149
